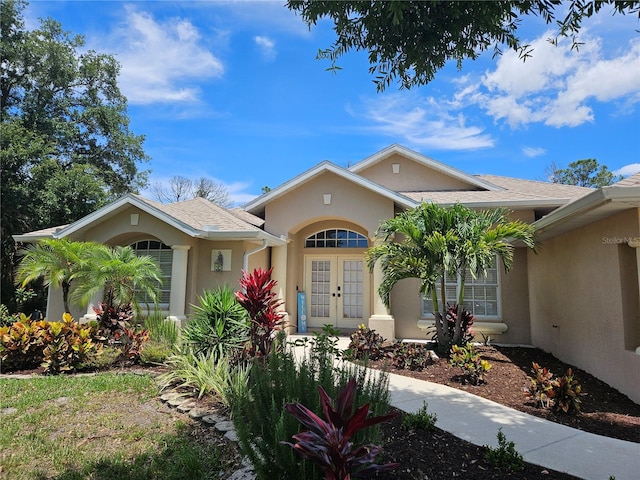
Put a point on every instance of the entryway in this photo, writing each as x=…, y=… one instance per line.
x=337, y=289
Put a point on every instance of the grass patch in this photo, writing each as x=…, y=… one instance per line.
x=96, y=427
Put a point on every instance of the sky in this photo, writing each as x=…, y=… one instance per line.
x=232, y=90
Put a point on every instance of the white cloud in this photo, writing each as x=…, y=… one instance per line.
x=267, y=47
x=557, y=86
x=423, y=123
x=533, y=151
x=161, y=61
x=627, y=170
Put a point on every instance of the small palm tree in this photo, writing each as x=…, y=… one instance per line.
x=57, y=261
x=430, y=241
x=122, y=274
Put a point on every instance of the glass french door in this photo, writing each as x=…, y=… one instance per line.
x=337, y=291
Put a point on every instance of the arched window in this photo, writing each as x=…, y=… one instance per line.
x=336, y=238
x=163, y=255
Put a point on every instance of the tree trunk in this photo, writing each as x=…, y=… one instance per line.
x=66, y=286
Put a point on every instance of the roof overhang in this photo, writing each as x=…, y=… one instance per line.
x=512, y=204
x=595, y=206
x=259, y=203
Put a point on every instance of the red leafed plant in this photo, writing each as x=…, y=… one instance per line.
x=328, y=443
x=261, y=302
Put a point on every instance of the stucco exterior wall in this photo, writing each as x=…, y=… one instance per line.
x=584, y=300
x=412, y=176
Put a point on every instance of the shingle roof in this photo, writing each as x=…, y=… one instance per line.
x=630, y=181
x=515, y=191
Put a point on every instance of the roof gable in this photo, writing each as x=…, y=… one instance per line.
x=257, y=205
x=419, y=172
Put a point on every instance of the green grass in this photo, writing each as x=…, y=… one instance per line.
x=105, y=426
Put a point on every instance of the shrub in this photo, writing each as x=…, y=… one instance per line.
x=328, y=443
x=262, y=303
x=504, y=456
x=420, y=420
x=412, y=356
x=469, y=360
x=204, y=374
x=162, y=330
x=219, y=326
x=564, y=392
x=366, y=343
x=131, y=342
x=56, y=346
x=541, y=386
x=261, y=421
x=155, y=353
x=7, y=319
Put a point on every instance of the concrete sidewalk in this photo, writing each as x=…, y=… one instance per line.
x=540, y=441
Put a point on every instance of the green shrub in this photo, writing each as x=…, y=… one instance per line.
x=204, y=373
x=261, y=421
x=219, y=326
x=56, y=346
x=420, y=420
x=504, y=456
x=107, y=357
x=162, y=330
x=155, y=353
x=468, y=359
x=7, y=319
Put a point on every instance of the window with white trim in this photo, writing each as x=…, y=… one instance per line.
x=336, y=238
x=481, y=295
x=163, y=255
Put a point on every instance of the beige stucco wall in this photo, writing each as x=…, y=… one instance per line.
x=302, y=212
x=584, y=300
x=412, y=176
x=514, y=306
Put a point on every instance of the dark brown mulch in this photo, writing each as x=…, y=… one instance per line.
x=605, y=411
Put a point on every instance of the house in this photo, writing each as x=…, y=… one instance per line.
x=577, y=298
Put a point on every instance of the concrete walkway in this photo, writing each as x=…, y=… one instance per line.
x=541, y=442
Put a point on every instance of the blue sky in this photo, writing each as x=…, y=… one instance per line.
x=232, y=91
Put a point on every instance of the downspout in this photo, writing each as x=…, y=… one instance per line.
x=245, y=258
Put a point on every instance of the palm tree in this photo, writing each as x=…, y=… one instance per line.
x=430, y=241
x=122, y=274
x=57, y=261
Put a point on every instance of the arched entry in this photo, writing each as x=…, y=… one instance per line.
x=336, y=278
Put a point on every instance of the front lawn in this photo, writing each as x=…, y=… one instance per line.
x=104, y=426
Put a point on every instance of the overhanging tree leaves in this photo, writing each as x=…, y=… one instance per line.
x=410, y=41
x=62, y=114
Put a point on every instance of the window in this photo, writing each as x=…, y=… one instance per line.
x=336, y=238
x=480, y=294
x=163, y=255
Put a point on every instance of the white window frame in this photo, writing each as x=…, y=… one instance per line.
x=165, y=264
x=470, y=285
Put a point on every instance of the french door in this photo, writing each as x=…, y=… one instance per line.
x=337, y=289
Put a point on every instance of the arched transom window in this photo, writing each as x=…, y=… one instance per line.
x=336, y=238
x=163, y=255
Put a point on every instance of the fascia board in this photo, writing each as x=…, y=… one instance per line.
x=26, y=238
x=589, y=202
x=427, y=161
x=517, y=204
x=120, y=203
x=250, y=235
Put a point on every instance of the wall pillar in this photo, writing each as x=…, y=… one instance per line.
x=381, y=320
x=177, y=297
x=279, y=264
x=91, y=315
x=635, y=244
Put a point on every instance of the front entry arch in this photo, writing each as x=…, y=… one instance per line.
x=337, y=289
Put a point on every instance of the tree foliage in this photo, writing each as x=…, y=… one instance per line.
x=181, y=188
x=410, y=41
x=66, y=146
x=430, y=241
x=583, y=173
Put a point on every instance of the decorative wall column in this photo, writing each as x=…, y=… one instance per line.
x=381, y=320
x=279, y=264
x=91, y=314
x=177, y=297
x=635, y=243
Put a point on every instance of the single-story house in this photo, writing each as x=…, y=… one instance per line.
x=578, y=297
